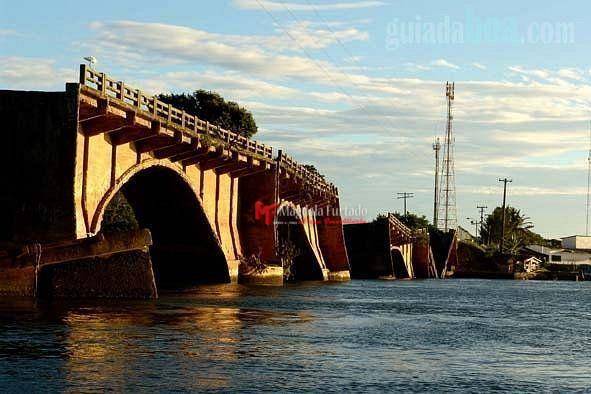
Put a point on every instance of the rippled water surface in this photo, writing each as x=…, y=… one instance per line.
x=463, y=335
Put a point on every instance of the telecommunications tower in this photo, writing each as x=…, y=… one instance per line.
x=447, y=218
x=436, y=148
x=588, y=183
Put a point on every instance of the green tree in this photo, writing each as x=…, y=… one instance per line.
x=119, y=216
x=411, y=220
x=212, y=107
x=518, y=230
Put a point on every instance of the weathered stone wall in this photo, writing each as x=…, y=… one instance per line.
x=123, y=275
x=368, y=248
x=37, y=163
x=420, y=258
x=17, y=281
x=257, y=234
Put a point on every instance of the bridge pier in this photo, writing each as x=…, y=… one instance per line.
x=382, y=249
x=102, y=266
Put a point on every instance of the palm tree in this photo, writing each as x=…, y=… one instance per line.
x=517, y=230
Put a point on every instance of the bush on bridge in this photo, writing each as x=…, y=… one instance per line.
x=212, y=107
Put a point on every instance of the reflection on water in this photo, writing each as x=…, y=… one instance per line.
x=366, y=335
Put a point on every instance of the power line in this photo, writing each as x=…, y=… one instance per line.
x=331, y=30
x=306, y=53
x=328, y=56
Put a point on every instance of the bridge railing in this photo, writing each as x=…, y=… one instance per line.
x=400, y=233
x=310, y=178
x=192, y=124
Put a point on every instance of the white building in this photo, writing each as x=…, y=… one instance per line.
x=532, y=264
x=562, y=256
x=577, y=242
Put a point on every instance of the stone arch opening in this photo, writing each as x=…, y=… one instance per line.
x=185, y=250
x=290, y=230
x=398, y=264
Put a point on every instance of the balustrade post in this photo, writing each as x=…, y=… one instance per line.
x=103, y=80
x=82, y=74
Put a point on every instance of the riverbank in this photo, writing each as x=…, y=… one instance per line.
x=475, y=263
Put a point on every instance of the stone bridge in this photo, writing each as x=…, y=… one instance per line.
x=401, y=248
x=208, y=196
x=382, y=249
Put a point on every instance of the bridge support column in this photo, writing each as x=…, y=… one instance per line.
x=257, y=213
x=332, y=242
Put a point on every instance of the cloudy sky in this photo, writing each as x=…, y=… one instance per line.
x=356, y=87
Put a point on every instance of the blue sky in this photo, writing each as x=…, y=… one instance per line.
x=343, y=84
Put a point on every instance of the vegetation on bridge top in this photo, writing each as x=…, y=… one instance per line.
x=212, y=107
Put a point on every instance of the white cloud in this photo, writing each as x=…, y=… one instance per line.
x=571, y=73
x=8, y=33
x=33, y=73
x=129, y=42
x=529, y=191
x=352, y=59
x=538, y=73
x=444, y=63
x=229, y=84
x=532, y=123
x=413, y=67
x=281, y=6
x=479, y=66
x=308, y=34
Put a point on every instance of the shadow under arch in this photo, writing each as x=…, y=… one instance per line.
x=290, y=229
x=398, y=264
x=185, y=250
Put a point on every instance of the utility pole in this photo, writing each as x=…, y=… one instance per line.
x=505, y=181
x=481, y=209
x=405, y=196
x=436, y=148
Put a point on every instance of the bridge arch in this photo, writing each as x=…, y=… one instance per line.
x=185, y=249
x=296, y=228
x=400, y=262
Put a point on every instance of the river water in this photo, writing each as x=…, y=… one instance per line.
x=455, y=335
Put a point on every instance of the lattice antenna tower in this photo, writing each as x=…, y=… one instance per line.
x=447, y=218
x=588, y=184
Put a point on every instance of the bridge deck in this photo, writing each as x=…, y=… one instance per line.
x=128, y=115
